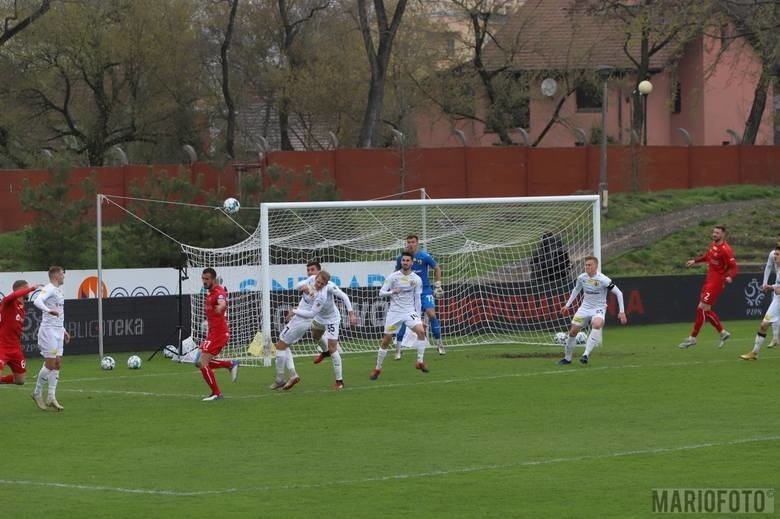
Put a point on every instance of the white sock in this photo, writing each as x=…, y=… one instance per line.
x=757, y=343
x=323, y=344
x=281, y=360
x=380, y=357
x=54, y=376
x=568, y=349
x=594, y=339
x=43, y=377
x=421, y=345
x=290, y=364
x=336, y=358
x=776, y=330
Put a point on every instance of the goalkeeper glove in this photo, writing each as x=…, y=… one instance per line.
x=438, y=291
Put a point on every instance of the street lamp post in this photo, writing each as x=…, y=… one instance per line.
x=604, y=72
x=644, y=87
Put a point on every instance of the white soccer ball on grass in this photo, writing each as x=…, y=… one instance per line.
x=107, y=363
x=582, y=338
x=231, y=206
x=134, y=362
x=560, y=337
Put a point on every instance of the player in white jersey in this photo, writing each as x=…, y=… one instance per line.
x=292, y=332
x=317, y=326
x=325, y=314
x=51, y=338
x=594, y=285
x=404, y=288
x=773, y=265
x=772, y=316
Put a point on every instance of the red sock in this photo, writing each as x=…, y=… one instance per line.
x=698, y=323
x=226, y=364
x=7, y=379
x=715, y=320
x=208, y=376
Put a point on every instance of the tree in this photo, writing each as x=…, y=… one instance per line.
x=16, y=21
x=224, y=62
x=292, y=17
x=188, y=216
x=64, y=220
x=498, y=83
x=650, y=27
x=757, y=22
x=496, y=63
x=142, y=242
x=102, y=74
x=378, y=60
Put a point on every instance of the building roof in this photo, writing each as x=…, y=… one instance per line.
x=564, y=34
x=260, y=118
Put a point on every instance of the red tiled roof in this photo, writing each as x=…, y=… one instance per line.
x=562, y=34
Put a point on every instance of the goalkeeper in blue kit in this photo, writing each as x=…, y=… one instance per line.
x=422, y=263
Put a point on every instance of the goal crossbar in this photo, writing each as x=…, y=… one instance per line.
x=492, y=252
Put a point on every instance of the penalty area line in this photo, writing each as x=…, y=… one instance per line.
x=391, y=477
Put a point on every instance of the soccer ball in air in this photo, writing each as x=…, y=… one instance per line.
x=134, y=362
x=560, y=337
x=107, y=363
x=582, y=338
x=231, y=206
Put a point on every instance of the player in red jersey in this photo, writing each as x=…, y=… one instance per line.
x=218, y=335
x=722, y=267
x=11, y=319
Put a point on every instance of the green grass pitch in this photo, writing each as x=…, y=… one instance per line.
x=497, y=431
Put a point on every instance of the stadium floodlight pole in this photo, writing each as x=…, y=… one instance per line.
x=99, y=290
x=645, y=88
x=604, y=72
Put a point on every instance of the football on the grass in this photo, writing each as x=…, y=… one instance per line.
x=134, y=362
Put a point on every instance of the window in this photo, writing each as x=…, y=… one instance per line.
x=588, y=97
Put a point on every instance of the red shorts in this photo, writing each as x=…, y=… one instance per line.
x=14, y=358
x=215, y=342
x=711, y=291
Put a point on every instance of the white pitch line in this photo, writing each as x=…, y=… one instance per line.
x=269, y=394
x=391, y=477
x=576, y=370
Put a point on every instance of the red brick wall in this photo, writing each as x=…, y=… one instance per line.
x=454, y=172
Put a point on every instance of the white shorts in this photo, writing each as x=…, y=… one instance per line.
x=773, y=312
x=294, y=330
x=51, y=341
x=410, y=339
x=394, y=321
x=584, y=316
x=329, y=331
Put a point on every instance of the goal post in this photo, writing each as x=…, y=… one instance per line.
x=508, y=265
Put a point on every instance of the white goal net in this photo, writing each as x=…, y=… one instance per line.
x=508, y=265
